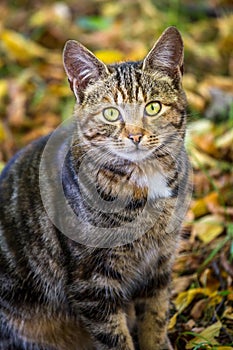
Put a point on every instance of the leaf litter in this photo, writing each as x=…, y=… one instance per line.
x=35, y=98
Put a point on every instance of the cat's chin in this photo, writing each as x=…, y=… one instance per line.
x=134, y=156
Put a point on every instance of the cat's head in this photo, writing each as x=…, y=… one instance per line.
x=133, y=110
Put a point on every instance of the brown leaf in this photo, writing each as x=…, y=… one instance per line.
x=198, y=308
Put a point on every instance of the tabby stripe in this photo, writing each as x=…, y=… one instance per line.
x=111, y=293
x=175, y=191
x=172, y=180
x=119, y=85
x=95, y=314
x=165, y=154
x=120, y=219
x=181, y=121
x=158, y=321
x=109, y=339
x=152, y=285
x=105, y=196
x=169, y=140
x=136, y=204
x=109, y=271
x=115, y=170
x=137, y=92
x=132, y=85
x=163, y=259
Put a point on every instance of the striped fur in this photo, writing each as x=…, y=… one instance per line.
x=59, y=294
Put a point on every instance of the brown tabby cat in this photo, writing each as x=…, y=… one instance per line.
x=92, y=272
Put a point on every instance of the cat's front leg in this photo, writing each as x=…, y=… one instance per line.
x=152, y=322
x=110, y=331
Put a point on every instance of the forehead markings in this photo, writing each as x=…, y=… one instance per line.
x=128, y=85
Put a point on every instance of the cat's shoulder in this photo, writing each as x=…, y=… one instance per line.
x=24, y=155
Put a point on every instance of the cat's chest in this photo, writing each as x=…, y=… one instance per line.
x=156, y=184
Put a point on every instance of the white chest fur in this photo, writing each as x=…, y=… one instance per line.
x=157, y=186
x=156, y=183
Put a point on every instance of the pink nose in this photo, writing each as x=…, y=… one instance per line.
x=136, y=138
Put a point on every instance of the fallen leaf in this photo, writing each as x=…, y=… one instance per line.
x=109, y=56
x=199, y=207
x=198, y=308
x=20, y=48
x=180, y=284
x=172, y=321
x=207, y=336
x=208, y=280
x=2, y=132
x=200, y=159
x=189, y=325
x=184, y=299
x=206, y=144
x=3, y=89
x=208, y=227
x=228, y=313
x=2, y=165
x=225, y=140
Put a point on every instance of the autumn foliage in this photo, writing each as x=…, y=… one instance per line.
x=35, y=98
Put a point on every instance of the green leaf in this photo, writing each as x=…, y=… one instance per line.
x=93, y=23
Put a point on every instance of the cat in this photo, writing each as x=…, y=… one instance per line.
x=90, y=215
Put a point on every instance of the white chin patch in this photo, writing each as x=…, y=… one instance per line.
x=134, y=156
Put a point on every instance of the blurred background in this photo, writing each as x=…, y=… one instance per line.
x=35, y=98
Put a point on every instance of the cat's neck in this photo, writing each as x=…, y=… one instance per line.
x=118, y=176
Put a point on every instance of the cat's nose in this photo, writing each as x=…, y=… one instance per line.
x=136, y=138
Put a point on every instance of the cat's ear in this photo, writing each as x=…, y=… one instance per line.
x=167, y=53
x=82, y=67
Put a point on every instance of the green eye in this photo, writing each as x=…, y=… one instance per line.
x=111, y=114
x=153, y=108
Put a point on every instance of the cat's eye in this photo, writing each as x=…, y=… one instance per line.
x=111, y=114
x=153, y=108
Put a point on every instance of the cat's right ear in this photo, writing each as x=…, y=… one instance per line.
x=82, y=67
x=167, y=53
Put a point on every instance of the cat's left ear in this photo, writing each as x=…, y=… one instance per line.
x=82, y=67
x=167, y=53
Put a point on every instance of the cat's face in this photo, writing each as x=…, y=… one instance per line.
x=131, y=110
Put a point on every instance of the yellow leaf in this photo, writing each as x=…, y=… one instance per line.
x=208, y=228
x=2, y=132
x=172, y=321
x=225, y=348
x=184, y=299
x=109, y=56
x=225, y=140
x=19, y=47
x=59, y=12
x=199, y=207
x=215, y=299
x=228, y=313
x=111, y=9
x=59, y=90
x=2, y=165
x=208, y=336
x=3, y=88
x=200, y=158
